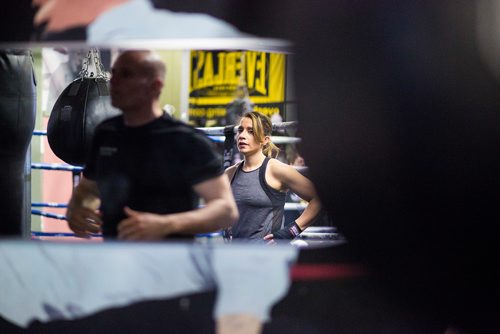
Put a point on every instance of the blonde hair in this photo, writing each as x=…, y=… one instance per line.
x=263, y=127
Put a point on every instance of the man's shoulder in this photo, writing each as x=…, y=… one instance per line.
x=176, y=127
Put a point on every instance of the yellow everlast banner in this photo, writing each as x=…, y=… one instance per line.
x=224, y=83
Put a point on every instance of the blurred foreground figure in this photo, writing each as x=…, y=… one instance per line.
x=405, y=106
x=100, y=21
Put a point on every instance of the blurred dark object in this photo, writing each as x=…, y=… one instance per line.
x=253, y=17
x=16, y=23
x=17, y=121
x=400, y=118
x=73, y=34
x=184, y=314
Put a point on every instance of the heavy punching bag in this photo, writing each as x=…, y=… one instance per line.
x=78, y=110
x=17, y=121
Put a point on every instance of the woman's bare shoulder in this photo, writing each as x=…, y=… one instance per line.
x=276, y=164
x=231, y=170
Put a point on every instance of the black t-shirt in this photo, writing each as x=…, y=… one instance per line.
x=149, y=168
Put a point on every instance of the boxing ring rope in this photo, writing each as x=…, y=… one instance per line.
x=39, y=133
x=274, y=139
x=290, y=206
x=62, y=167
x=216, y=134
x=58, y=234
x=47, y=214
x=220, y=130
x=49, y=205
x=98, y=235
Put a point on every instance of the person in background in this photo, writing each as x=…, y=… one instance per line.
x=260, y=184
x=239, y=106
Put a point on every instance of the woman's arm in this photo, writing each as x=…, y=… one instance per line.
x=289, y=178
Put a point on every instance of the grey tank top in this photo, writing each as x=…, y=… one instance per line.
x=261, y=207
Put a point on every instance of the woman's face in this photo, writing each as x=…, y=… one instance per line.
x=247, y=144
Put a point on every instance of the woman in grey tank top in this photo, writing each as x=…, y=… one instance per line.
x=260, y=183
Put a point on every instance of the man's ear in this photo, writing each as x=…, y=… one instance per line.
x=157, y=86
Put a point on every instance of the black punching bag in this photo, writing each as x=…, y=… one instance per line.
x=80, y=107
x=17, y=121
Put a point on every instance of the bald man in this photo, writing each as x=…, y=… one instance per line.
x=146, y=171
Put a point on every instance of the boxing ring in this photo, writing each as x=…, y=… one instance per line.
x=48, y=283
x=216, y=134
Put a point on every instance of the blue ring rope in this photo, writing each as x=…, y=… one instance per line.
x=59, y=234
x=69, y=234
x=47, y=214
x=49, y=205
x=39, y=133
x=63, y=167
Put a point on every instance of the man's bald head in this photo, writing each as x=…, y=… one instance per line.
x=148, y=61
x=137, y=80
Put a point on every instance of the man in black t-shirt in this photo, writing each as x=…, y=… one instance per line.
x=146, y=171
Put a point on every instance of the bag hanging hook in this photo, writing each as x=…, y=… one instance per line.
x=93, y=61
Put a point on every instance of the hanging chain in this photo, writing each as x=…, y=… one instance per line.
x=101, y=72
x=93, y=59
x=85, y=65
